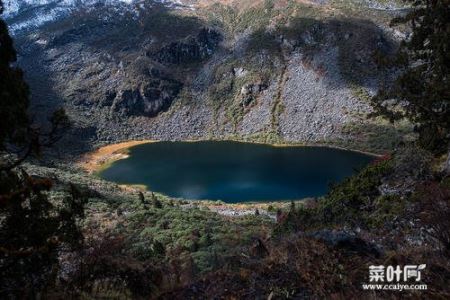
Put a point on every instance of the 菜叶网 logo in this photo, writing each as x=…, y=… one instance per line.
x=408, y=277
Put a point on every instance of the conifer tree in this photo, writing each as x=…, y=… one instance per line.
x=421, y=93
x=13, y=93
x=32, y=228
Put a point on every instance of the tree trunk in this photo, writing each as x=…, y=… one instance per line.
x=447, y=163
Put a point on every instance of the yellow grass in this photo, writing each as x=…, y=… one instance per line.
x=98, y=159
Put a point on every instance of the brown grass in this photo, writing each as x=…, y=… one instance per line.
x=94, y=161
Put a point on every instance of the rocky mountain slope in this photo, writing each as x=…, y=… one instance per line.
x=270, y=71
x=27, y=14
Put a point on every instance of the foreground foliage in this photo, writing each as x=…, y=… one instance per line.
x=421, y=93
x=385, y=215
x=33, y=227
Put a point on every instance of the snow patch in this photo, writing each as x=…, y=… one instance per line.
x=27, y=14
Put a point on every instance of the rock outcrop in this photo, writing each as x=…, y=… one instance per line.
x=190, y=50
x=146, y=100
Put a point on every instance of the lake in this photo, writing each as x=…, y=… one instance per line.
x=233, y=171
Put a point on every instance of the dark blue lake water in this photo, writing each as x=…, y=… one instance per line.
x=233, y=171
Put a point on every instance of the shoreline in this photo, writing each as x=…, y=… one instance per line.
x=96, y=160
x=296, y=144
x=100, y=158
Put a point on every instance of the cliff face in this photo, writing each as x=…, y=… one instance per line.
x=271, y=72
x=191, y=50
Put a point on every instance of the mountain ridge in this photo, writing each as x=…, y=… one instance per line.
x=275, y=72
